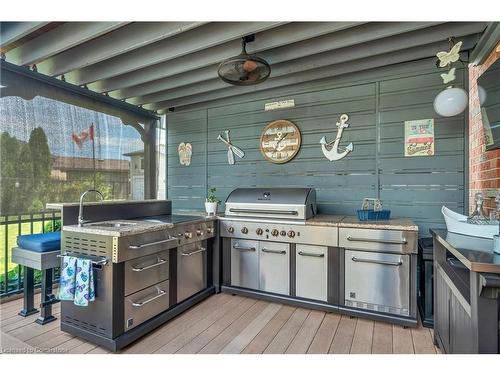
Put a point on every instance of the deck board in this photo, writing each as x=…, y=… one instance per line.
x=343, y=337
x=224, y=323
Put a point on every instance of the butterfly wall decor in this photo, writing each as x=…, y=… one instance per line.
x=447, y=58
x=448, y=77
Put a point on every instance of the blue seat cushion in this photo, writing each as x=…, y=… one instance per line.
x=40, y=243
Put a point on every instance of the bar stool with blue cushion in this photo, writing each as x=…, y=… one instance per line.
x=38, y=251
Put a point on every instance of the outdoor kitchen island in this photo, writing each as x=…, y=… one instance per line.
x=148, y=267
x=275, y=247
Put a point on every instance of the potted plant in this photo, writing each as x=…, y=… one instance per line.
x=211, y=202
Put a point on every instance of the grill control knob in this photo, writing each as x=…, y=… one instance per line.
x=199, y=232
x=259, y=231
x=230, y=230
x=274, y=232
x=283, y=233
x=188, y=235
x=210, y=230
x=244, y=230
x=291, y=234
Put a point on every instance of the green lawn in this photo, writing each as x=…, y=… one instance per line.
x=13, y=231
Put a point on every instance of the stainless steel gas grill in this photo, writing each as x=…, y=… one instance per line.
x=267, y=246
x=274, y=248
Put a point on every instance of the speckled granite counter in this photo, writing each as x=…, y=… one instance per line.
x=392, y=224
x=353, y=222
x=474, y=252
x=134, y=226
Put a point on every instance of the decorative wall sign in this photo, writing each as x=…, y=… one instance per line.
x=231, y=149
x=280, y=141
x=185, y=152
x=419, y=137
x=279, y=105
x=332, y=152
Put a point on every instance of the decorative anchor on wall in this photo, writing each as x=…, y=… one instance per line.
x=332, y=153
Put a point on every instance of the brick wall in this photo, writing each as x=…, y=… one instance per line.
x=484, y=166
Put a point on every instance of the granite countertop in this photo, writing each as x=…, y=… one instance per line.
x=137, y=226
x=391, y=224
x=325, y=220
x=475, y=253
x=60, y=206
x=353, y=222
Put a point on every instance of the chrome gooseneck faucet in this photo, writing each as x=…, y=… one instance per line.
x=80, y=211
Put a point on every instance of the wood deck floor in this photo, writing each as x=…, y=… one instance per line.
x=229, y=324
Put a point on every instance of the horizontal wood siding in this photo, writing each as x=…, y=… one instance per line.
x=378, y=103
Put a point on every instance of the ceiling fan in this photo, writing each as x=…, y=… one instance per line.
x=244, y=69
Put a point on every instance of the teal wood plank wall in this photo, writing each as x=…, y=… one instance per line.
x=377, y=102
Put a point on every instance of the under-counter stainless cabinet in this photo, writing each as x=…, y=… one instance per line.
x=191, y=270
x=245, y=263
x=377, y=281
x=274, y=267
x=311, y=272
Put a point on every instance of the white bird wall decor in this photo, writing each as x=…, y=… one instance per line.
x=332, y=152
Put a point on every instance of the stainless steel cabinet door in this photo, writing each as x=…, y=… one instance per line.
x=378, y=281
x=245, y=263
x=191, y=270
x=311, y=272
x=274, y=264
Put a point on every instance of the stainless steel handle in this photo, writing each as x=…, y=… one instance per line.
x=242, y=248
x=384, y=262
x=140, y=269
x=392, y=242
x=311, y=254
x=141, y=246
x=253, y=211
x=200, y=250
x=142, y=303
x=264, y=250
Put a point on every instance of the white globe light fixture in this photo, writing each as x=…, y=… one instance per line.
x=450, y=102
x=482, y=94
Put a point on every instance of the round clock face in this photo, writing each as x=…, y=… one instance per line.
x=280, y=141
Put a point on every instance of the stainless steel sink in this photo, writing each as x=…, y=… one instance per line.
x=112, y=224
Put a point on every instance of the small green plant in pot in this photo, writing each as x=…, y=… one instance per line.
x=211, y=202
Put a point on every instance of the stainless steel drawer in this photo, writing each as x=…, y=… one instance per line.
x=389, y=241
x=245, y=263
x=274, y=267
x=311, y=272
x=139, y=245
x=145, y=271
x=145, y=304
x=191, y=270
x=378, y=281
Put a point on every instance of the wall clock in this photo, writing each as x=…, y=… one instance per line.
x=280, y=141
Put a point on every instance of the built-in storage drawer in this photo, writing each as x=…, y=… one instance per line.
x=378, y=281
x=311, y=272
x=245, y=263
x=136, y=246
x=145, y=304
x=388, y=241
x=274, y=267
x=145, y=271
x=191, y=270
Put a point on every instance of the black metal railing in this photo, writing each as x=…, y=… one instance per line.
x=11, y=226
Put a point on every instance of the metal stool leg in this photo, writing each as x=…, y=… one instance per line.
x=29, y=293
x=47, y=298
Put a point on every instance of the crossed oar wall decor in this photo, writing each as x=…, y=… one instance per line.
x=231, y=149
